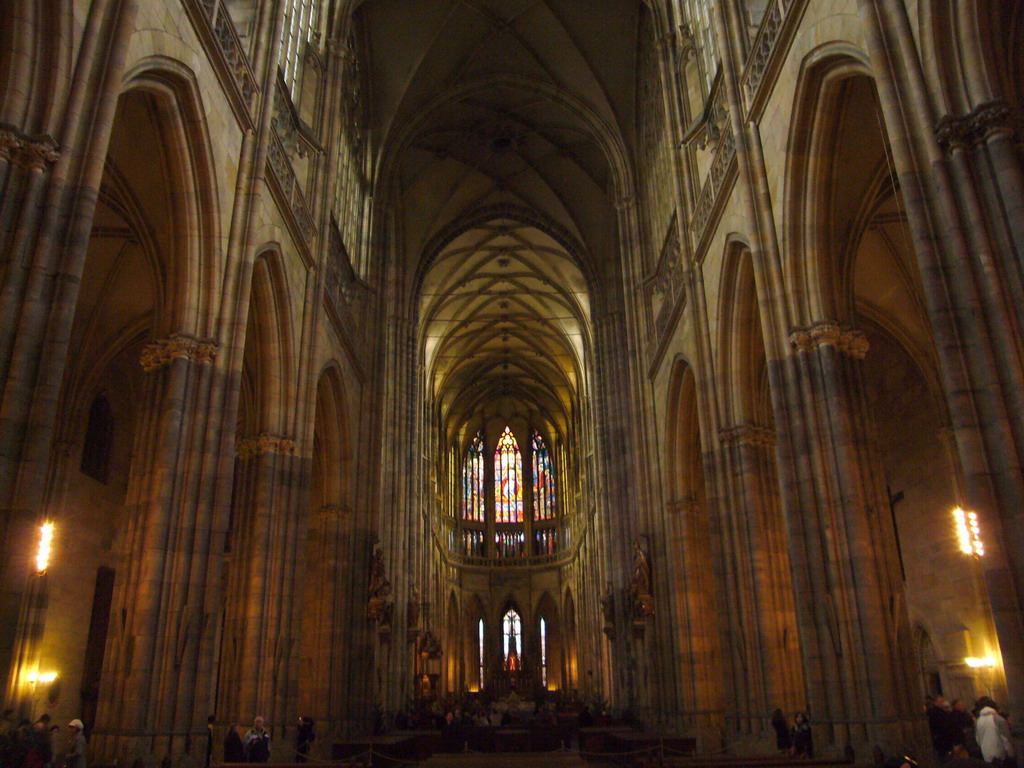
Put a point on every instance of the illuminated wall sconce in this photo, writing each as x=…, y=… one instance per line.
x=968, y=532
x=982, y=663
x=45, y=543
x=45, y=678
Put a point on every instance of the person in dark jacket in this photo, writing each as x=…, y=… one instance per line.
x=781, y=726
x=39, y=753
x=233, y=750
x=305, y=738
x=800, y=736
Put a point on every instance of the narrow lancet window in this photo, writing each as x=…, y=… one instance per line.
x=512, y=640
x=473, y=481
x=543, y=479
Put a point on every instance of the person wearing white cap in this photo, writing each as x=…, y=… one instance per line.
x=75, y=755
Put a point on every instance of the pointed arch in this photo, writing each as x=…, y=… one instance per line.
x=268, y=339
x=193, y=277
x=741, y=340
x=810, y=279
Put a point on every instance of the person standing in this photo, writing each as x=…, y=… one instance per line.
x=234, y=752
x=74, y=755
x=209, y=740
x=800, y=737
x=993, y=733
x=781, y=726
x=256, y=743
x=305, y=738
x=39, y=753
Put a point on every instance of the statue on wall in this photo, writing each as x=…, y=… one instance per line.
x=412, y=608
x=607, y=601
x=378, y=607
x=641, y=599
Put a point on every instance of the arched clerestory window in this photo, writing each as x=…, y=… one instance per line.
x=508, y=480
x=543, y=479
x=473, y=481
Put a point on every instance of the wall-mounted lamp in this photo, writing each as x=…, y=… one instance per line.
x=968, y=532
x=45, y=543
x=45, y=678
x=975, y=663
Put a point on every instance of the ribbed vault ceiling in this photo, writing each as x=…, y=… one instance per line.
x=500, y=104
x=504, y=310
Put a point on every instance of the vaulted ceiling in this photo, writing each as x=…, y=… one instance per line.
x=504, y=105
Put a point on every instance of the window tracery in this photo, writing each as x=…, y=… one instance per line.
x=473, y=481
x=544, y=498
x=512, y=640
x=508, y=480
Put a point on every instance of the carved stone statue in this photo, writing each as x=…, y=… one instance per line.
x=642, y=602
x=412, y=608
x=608, y=604
x=378, y=607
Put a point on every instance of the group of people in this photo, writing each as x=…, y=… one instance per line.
x=983, y=733
x=793, y=741
x=254, y=745
x=24, y=744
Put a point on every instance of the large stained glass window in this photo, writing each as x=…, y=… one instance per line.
x=512, y=639
x=508, y=480
x=473, y=481
x=543, y=479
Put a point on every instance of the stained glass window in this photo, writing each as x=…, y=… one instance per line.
x=473, y=543
x=543, y=479
x=509, y=543
x=544, y=653
x=473, y=481
x=545, y=541
x=512, y=640
x=508, y=480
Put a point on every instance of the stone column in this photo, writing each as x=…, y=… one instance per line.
x=152, y=678
x=759, y=585
x=851, y=613
x=259, y=637
x=702, y=684
x=45, y=223
x=963, y=193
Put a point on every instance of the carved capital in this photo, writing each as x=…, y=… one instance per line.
x=163, y=352
x=848, y=340
x=330, y=513
x=262, y=444
x=854, y=343
x=987, y=119
x=10, y=143
x=686, y=506
x=32, y=152
x=750, y=434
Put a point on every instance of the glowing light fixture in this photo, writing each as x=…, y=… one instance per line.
x=968, y=532
x=974, y=663
x=46, y=677
x=45, y=541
